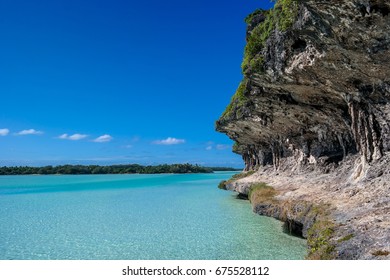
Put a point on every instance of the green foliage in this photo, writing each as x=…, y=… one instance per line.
x=112, y=169
x=222, y=185
x=224, y=169
x=281, y=17
x=256, y=41
x=257, y=64
x=250, y=17
x=319, y=240
x=287, y=10
x=238, y=100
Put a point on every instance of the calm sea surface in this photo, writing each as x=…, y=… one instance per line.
x=134, y=217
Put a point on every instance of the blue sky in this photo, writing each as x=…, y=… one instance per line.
x=103, y=82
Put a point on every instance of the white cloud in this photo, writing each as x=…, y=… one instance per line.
x=29, y=132
x=4, y=131
x=169, y=141
x=209, y=148
x=103, y=138
x=77, y=136
x=73, y=137
x=222, y=147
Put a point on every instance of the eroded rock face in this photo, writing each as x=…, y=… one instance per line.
x=314, y=121
x=324, y=92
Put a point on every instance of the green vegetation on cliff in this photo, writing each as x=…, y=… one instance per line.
x=281, y=17
x=320, y=235
x=238, y=100
x=249, y=18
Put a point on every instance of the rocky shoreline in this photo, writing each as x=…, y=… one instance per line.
x=357, y=208
x=312, y=118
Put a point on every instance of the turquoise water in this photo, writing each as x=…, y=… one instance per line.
x=134, y=217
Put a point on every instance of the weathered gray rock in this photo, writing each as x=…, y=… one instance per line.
x=326, y=88
x=319, y=114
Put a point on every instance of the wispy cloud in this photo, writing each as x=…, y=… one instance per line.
x=4, y=131
x=169, y=141
x=73, y=137
x=211, y=146
x=222, y=147
x=29, y=132
x=103, y=138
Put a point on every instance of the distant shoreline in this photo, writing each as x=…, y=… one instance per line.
x=111, y=169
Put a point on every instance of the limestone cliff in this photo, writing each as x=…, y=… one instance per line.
x=314, y=105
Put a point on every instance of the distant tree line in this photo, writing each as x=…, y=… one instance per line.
x=111, y=169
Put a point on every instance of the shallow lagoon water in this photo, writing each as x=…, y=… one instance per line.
x=145, y=217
